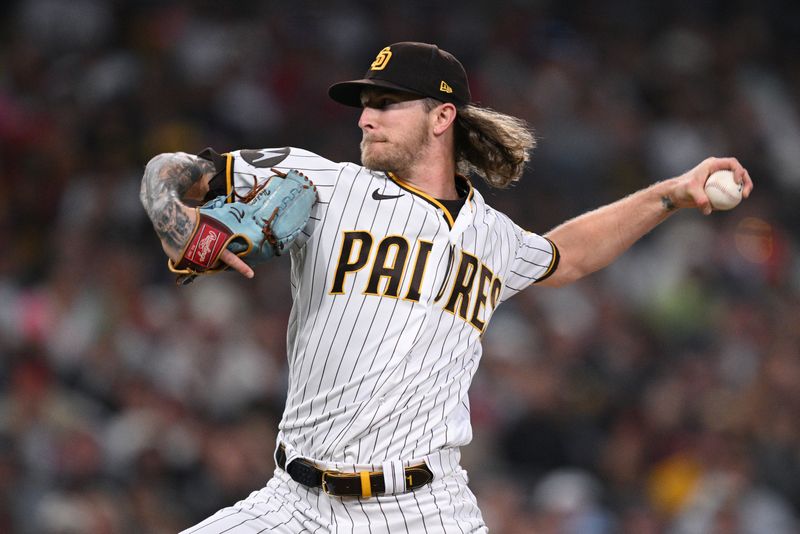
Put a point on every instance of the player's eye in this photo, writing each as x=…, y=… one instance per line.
x=379, y=102
x=383, y=101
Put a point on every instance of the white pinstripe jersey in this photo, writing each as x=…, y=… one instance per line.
x=391, y=296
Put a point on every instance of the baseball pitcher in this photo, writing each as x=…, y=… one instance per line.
x=397, y=266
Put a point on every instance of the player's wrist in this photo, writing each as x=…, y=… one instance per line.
x=662, y=194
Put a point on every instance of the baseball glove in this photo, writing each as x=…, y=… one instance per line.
x=256, y=226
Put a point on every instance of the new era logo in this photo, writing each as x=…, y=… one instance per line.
x=443, y=87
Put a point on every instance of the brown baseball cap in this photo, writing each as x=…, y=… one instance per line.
x=419, y=68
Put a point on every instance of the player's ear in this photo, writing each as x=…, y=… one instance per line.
x=442, y=117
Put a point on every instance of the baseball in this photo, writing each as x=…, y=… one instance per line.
x=723, y=192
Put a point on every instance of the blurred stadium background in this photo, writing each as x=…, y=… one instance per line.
x=661, y=395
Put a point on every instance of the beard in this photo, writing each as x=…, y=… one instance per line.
x=378, y=154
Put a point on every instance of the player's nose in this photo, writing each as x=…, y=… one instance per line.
x=367, y=119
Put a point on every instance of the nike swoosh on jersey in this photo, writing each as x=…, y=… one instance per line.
x=264, y=158
x=378, y=196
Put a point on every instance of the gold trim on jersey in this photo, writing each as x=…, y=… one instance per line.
x=425, y=196
x=470, y=190
x=228, y=176
x=553, y=261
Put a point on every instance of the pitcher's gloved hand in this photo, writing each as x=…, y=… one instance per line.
x=255, y=227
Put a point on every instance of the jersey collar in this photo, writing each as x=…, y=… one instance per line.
x=463, y=186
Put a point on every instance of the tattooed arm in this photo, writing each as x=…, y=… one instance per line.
x=169, y=181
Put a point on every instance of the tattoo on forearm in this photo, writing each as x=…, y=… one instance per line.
x=172, y=225
x=667, y=203
x=166, y=179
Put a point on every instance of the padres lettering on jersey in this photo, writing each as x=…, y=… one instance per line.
x=391, y=295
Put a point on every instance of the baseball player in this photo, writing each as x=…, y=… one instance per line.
x=395, y=277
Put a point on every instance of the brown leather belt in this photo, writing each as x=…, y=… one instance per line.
x=361, y=484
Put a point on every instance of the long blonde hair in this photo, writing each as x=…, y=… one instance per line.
x=494, y=145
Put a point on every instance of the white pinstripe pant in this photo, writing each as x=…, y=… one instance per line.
x=444, y=506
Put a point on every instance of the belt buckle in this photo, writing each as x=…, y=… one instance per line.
x=325, y=483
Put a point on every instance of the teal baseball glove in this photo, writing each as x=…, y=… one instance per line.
x=255, y=227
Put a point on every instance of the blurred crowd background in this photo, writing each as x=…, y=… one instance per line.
x=660, y=395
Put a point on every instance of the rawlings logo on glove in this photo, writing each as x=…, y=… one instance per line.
x=257, y=227
x=206, y=244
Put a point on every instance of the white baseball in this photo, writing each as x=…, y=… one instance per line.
x=723, y=192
